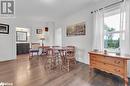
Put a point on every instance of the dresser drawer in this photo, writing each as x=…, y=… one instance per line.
x=97, y=57
x=114, y=61
x=98, y=65
x=107, y=68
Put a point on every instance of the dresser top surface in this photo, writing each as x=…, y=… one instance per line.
x=126, y=57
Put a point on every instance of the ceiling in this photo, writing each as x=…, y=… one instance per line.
x=51, y=8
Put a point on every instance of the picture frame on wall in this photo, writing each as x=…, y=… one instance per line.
x=4, y=28
x=76, y=29
x=39, y=31
x=46, y=29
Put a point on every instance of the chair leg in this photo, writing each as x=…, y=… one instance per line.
x=46, y=65
x=68, y=66
x=37, y=53
x=30, y=55
x=60, y=66
x=52, y=63
x=75, y=61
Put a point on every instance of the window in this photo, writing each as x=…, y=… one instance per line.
x=21, y=36
x=112, y=31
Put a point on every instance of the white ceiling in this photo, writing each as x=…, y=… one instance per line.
x=56, y=8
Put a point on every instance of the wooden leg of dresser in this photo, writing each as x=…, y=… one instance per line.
x=90, y=71
x=90, y=76
x=126, y=81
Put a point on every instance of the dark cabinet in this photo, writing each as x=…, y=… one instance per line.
x=23, y=48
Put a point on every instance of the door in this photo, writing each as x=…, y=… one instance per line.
x=58, y=37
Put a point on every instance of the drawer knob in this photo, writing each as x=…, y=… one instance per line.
x=94, y=57
x=118, y=62
x=117, y=70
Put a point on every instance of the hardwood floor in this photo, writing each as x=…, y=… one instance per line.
x=25, y=72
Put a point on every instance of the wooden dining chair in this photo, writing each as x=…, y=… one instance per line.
x=56, y=52
x=34, y=49
x=50, y=60
x=62, y=55
x=69, y=59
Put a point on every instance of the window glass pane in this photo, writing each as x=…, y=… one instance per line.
x=112, y=22
x=112, y=42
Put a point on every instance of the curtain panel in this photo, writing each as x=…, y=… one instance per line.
x=125, y=26
x=98, y=40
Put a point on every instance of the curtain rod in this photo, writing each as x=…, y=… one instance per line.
x=108, y=6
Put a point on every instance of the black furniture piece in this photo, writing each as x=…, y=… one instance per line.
x=23, y=48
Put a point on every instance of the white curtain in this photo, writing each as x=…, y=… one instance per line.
x=125, y=26
x=98, y=40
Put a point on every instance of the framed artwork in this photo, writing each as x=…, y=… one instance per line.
x=38, y=31
x=4, y=28
x=76, y=29
x=21, y=36
x=46, y=29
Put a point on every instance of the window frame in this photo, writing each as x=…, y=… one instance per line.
x=120, y=32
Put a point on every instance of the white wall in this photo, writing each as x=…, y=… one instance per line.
x=7, y=41
x=49, y=36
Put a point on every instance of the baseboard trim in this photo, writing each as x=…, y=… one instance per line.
x=8, y=60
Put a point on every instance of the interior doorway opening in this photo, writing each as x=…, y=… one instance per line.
x=22, y=41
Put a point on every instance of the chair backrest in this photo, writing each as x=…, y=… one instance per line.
x=50, y=52
x=35, y=45
x=71, y=47
x=70, y=51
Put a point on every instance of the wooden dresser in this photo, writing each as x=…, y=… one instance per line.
x=110, y=63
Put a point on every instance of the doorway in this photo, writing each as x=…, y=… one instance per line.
x=22, y=42
x=58, y=36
